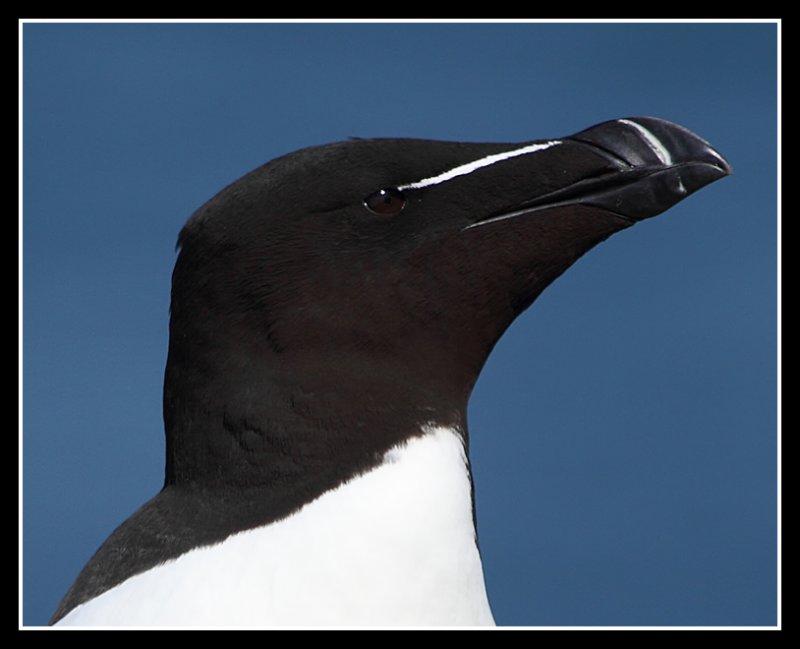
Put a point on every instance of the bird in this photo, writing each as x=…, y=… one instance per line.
x=330, y=314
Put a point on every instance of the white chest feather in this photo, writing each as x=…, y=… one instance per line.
x=393, y=547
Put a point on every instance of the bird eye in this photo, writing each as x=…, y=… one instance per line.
x=385, y=201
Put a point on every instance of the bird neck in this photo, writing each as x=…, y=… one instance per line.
x=256, y=417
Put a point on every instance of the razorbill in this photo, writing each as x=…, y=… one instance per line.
x=331, y=312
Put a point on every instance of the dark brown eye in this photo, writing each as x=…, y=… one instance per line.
x=386, y=201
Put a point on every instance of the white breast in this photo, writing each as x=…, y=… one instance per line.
x=393, y=547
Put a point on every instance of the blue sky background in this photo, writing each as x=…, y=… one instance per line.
x=623, y=431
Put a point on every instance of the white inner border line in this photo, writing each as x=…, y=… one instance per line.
x=469, y=167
